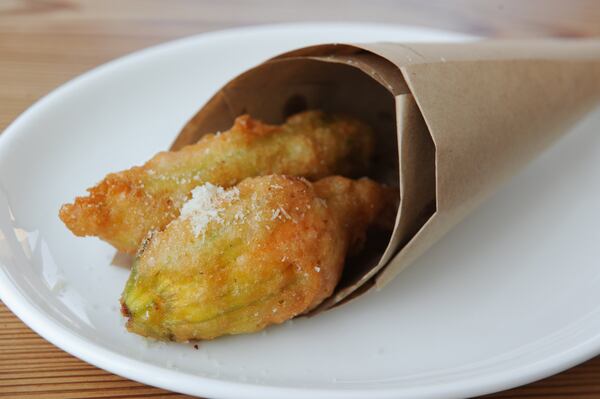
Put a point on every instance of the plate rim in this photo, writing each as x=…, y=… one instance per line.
x=178, y=381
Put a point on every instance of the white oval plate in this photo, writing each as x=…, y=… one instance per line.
x=509, y=296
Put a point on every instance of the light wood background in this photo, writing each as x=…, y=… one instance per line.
x=44, y=43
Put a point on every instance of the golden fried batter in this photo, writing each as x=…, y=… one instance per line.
x=240, y=259
x=125, y=206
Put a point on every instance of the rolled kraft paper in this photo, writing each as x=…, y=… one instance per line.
x=454, y=121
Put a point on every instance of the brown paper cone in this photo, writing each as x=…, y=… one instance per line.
x=456, y=119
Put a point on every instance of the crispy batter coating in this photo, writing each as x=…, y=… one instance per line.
x=125, y=206
x=260, y=253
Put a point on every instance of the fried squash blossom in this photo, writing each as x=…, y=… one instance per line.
x=125, y=206
x=237, y=260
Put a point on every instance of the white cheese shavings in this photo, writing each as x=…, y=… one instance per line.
x=275, y=214
x=284, y=213
x=239, y=216
x=205, y=205
x=279, y=212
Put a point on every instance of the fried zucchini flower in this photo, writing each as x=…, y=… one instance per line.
x=125, y=206
x=237, y=260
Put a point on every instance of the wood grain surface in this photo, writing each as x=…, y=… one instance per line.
x=44, y=43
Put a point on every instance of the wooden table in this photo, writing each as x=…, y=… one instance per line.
x=44, y=43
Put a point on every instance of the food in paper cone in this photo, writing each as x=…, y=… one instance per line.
x=465, y=117
x=217, y=256
x=237, y=260
x=126, y=206
x=446, y=123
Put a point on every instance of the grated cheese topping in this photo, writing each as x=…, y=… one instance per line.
x=205, y=205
